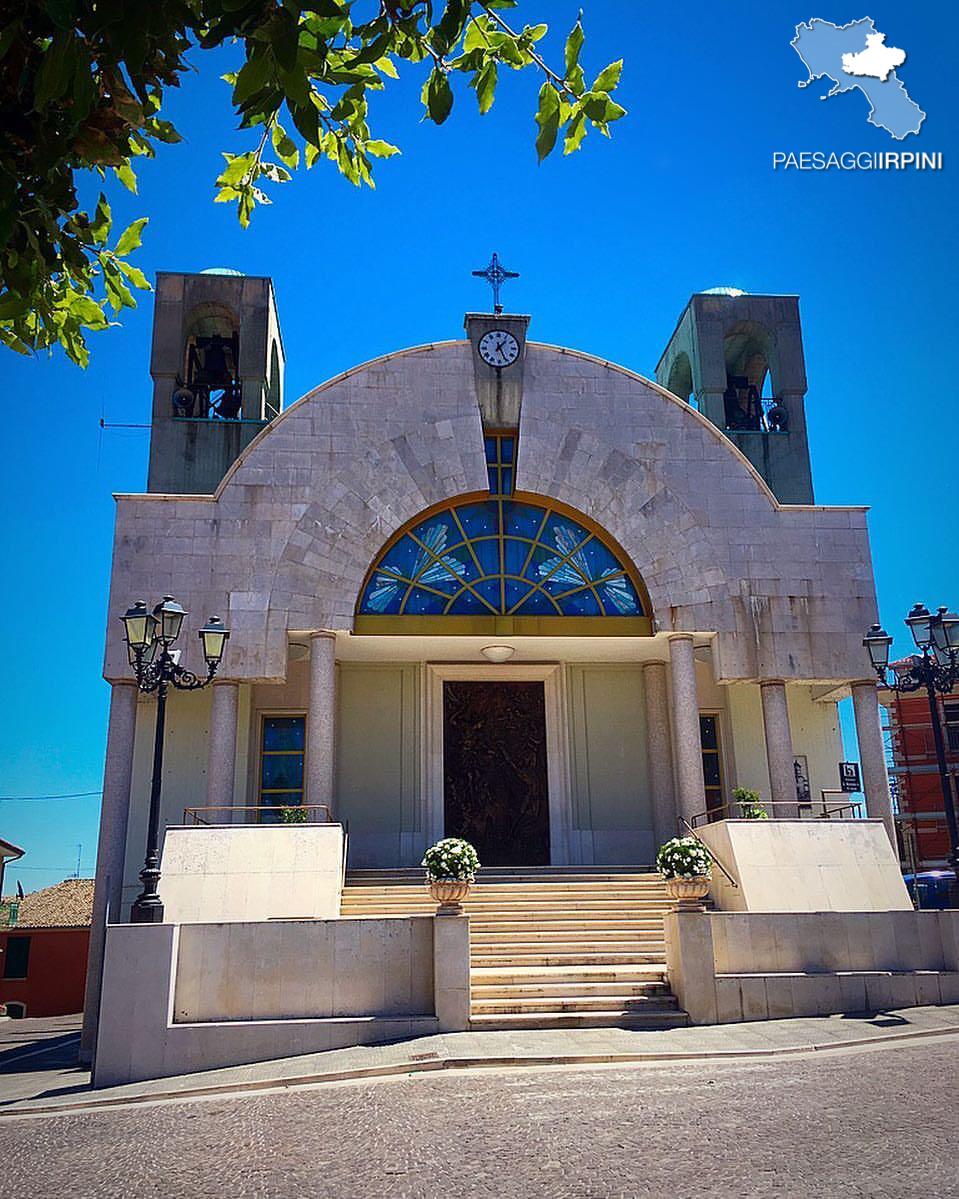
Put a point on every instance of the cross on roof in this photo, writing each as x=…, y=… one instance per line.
x=495, y=275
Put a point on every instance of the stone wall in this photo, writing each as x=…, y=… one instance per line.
x=183, y=998
x=287, y=540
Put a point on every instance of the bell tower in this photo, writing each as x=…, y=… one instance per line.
x=217, y=366
x=739, y=359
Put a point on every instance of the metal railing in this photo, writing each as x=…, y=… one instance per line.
x=736, y=810
x=716, y=862
x=317, y=813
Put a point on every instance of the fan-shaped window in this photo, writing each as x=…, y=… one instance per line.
x=515, y=558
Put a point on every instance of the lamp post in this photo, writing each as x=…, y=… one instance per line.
x=935, y=668
x=149, y=636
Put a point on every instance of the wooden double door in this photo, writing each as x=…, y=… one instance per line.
x=494, y=770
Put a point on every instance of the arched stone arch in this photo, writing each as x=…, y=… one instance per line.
x=681, y=377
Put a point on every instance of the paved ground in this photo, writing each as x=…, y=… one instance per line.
x=881, y=1121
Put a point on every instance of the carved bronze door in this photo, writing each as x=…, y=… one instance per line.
x=494, y=770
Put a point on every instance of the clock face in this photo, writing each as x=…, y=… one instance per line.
x=498, y=348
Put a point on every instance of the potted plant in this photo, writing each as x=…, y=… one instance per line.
x=451, y=866
x=686, y=865
x=750, y=805
x=293, y=814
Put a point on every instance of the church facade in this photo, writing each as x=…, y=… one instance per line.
x=488, y=587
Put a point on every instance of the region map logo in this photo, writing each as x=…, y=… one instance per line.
x=856, y=58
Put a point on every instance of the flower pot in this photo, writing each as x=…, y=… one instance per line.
x=449, y=894
x=688, y=893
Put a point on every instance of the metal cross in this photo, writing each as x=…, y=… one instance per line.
x=495, y=275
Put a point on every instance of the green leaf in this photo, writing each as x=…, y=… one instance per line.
x=438, y=96
x=600, y=108
x=380, y=149
x=275, y=173
x=547, y=117
x=485, y=83
x=608, y=77
x=253, y=76
x=574, y=134
x=130, y=237
x=126, y=176
x=574, y=43
x=134, y=275
x=102, y=220
x=285, y=147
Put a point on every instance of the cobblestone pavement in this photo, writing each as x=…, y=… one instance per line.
x=876, y=1122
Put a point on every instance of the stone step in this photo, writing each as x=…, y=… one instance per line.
x=518, y=906
x=569, y=1003
x=567, y=991
x=576, y=955
x=563, y=931
x=523, y=873
x=624, y=886
x=637, y=973
x=614, y=1018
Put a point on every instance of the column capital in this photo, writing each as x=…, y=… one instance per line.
x=329, y=634
x=772, y=682
x=680, y=636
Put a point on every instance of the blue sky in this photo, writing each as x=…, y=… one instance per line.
x=609, y=242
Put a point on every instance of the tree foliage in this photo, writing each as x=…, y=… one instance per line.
x=82, y=86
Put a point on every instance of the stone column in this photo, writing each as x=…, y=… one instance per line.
x=690, y=787
x=319, y=720
x=779, y=749
x=221, y=764
x=659, y=755
x=111, y=848
x=872, y=757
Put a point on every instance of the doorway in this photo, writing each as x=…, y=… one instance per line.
x=495, y=786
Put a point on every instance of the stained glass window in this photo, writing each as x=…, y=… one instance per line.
x=500, y=557
x=501, y=462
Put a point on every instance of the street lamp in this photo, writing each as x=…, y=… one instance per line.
x=936, y=668
x=149, y=636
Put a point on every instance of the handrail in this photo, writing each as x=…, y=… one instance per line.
x=693, y=833
x=723, y=810
x=193, y=815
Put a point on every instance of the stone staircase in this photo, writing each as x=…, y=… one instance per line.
x=550, y=947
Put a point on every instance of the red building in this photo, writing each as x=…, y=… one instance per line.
x=44, y=942
x=924, y=836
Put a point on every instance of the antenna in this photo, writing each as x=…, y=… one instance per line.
x=79, y=852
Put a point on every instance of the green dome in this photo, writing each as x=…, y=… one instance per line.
x=221, y=270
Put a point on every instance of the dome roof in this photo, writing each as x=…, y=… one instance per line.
x=724, y=291
x=221, y=270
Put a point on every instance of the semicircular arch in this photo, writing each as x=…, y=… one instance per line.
x=523, y=565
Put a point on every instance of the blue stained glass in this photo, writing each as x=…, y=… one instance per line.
x=489, y=589
x=581, y=603
x=438, y=533
x=620, y=598
x=468, y=604
x=564, y=578
x=563, y=534
x=537, y=604
x=284, y=732
x=282, y=771
x=506, y=448
x=506, y=480
x=404, y=559
x=492, y=473
x=518, y=558
x=515, y=591
x=479, y=519
x=594, y=559
x=539, y=557
x=489, y=445
x=515, y=554
x=384, y=595
x=487, y=552
x=424, y=603
x=521, y=520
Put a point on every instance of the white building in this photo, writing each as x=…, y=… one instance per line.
x=676, y=614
